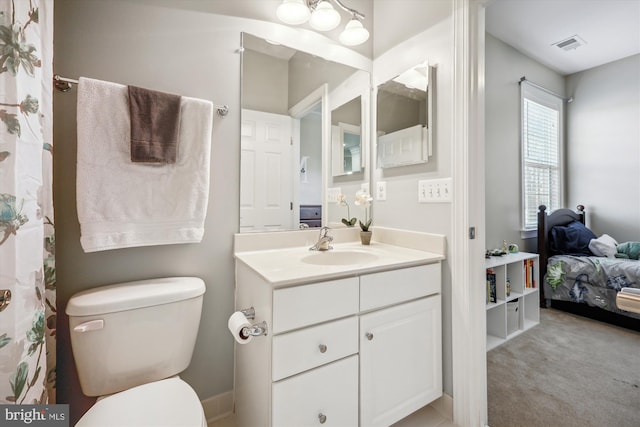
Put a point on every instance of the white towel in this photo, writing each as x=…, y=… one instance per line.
x=123, y=204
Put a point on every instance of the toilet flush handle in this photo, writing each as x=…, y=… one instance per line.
x=91, y=325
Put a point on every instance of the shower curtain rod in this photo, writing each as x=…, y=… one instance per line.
x=63, y=84
x=544, y=89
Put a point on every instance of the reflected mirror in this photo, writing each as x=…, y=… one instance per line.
x=346, y=148
x=288, y=100
x=404, y=118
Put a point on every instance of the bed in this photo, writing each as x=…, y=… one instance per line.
x=573, y=278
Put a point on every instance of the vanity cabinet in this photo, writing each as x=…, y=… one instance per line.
x=362, y=350
x=400, y=361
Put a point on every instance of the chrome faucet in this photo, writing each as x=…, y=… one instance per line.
x=323, y=241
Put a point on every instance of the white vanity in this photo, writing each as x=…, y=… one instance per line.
x=354, y=334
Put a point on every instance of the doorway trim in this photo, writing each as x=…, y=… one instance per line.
x=468, y=310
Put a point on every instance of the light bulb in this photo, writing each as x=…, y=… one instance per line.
x=354, y=33
x=324, y=17
x=293, y=12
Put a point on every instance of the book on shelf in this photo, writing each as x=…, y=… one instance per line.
x=491, y=286
x=529, y=273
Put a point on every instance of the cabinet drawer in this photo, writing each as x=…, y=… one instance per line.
x=304, y=305
x=330, y=391
x=308, y=348
x=391, y=287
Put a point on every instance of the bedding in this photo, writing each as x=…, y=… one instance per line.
x=591, y=280
x=574, y=278
x=572, y=239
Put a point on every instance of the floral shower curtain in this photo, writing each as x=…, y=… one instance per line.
x=27, y=270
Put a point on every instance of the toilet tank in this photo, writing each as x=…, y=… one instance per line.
x=133, y=333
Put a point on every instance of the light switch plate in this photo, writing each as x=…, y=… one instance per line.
x=332, y=194
x=381, y=190
x=435, y=190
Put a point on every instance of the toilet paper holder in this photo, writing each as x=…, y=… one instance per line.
x=256, y=329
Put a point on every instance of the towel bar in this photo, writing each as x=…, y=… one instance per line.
x=63, y=84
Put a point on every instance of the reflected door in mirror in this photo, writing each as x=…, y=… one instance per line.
x=266, y=172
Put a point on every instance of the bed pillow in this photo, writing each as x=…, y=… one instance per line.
x=604, y=245
x=572, y=239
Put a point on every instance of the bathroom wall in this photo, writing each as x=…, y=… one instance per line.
x=172, y=50
x=180, y=46
x=266, y=83
x=408, y=32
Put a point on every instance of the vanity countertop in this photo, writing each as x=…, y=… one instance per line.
x=287, y=266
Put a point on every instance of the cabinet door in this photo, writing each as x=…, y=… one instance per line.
x=325, y=396
x=400, y=360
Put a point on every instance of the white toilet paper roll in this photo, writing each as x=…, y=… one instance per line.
x=237, y=322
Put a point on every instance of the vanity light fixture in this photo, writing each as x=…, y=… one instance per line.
x=323, y=17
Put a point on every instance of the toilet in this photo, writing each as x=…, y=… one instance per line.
x=129, y=342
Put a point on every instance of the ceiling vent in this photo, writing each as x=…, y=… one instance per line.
x=571, y=43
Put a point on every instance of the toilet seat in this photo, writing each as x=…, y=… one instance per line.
x=167, y=403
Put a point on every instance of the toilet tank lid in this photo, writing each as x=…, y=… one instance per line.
x=133, y=295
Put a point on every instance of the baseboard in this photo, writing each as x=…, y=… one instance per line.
x=221, y=406
x=218, y=406
x=444, y=406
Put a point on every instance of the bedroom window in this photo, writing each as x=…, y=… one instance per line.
x=542, y=141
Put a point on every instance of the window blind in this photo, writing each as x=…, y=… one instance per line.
x=541, y=167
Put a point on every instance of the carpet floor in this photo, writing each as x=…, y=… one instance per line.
x=567, y=371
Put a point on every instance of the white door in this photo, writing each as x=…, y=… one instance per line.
x=266, y=172
x=400, y=360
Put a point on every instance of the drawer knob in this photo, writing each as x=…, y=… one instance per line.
x=323, y=348
x=322, y=418
x=369, y=336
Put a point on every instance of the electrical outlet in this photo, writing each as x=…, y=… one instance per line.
x=332, y=194
x=435, y=190
x=381, y=190
x=365, y=187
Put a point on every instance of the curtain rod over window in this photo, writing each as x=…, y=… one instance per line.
x=63, y=84
x=524, y=79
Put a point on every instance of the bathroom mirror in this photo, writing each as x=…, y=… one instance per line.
x=288, y=100
x=404, y=118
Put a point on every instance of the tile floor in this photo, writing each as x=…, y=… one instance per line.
x=425, y=417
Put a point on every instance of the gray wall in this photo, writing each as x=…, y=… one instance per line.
x=144, y=45
x=142, y=42
x=504, y=68
x=602, y=143
x=265, y=83
x=603, y=150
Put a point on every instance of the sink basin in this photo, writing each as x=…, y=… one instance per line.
x=333, y=257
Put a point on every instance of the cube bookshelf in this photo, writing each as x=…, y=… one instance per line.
x=516, y=307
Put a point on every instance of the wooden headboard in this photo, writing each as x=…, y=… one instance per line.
x=545, y=223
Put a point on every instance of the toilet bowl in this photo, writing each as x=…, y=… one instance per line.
x=129, y=342
x=170, y=402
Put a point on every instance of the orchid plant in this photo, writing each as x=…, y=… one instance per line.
x=349, y=222
x=363, y=199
